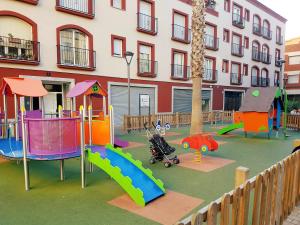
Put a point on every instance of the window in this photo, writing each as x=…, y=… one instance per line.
x=227, y=5
x=210, y=39
x=180, y=29
x=75, y=48
x=147, y=22
x=266, y=30
x=118, y=46
x=276, y=78
x=293, y=79
x=246, y=42
x=245, y=69
x=256, y=25
x=256, y=51
x=294, y=60
x=226, y=34
x=277, y=54
x=225, y=66
x=209, y=69
x=255, y=76
x=237, y=16
x=264, y=81
x=179, y=64
x=247, y=15
x=235, y=77
x=119, y=4
x=279, y=38
x=265, y=54
x=146, y=56
x=78, y=7
x=237, y=48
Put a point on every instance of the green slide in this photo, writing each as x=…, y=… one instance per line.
x=230, y=128
x=130, y=174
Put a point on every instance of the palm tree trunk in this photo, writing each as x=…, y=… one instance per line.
x=197, y=64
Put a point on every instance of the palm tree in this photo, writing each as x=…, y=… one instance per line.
x=197, y=64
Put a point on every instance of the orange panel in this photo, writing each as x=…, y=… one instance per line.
x=256, y=122
x=238, y=117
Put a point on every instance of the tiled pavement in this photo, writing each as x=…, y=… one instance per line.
x=294, y=218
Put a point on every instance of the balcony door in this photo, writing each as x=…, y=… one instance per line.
x=74, y=48
x=209, y=64
x=77, y=5
x=265, y=53
x=237, y=13
x=235, y=73
x=178, y=65
x=145, y=21
x=145, y=59
x=209, y=36
x=179, y=26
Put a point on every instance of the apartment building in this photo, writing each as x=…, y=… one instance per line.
x=62, y=42
x=292, y=68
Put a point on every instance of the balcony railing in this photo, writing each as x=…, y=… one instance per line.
x=147, y=24
x=266, y=58
x=279, y=40
x=180, y=33
x=256, y=54
x=238, y=21
x=266, y=33
x=147, y=68
x=276, y=82
x=211, y=42
x=78, y=6
x=180, y=72
x=210, y=76
x=236, y=79
x=257, y=29
x=277, y=62
x=237, y=50
x=76, y=57
x=264, y=82
x=254, y=81
x=19, y=50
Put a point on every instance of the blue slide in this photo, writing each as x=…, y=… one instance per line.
x=137, y=181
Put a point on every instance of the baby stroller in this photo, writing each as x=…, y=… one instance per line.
x=160, y=149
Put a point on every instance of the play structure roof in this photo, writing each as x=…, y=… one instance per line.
x=23, y=87
x=259, y=99
x=84, y=88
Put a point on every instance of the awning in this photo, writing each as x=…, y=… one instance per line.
x=23, y=87
x=88, y=87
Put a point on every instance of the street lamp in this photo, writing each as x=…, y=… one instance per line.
x=280, y=63
x=128, y=57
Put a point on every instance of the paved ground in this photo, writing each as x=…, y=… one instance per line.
x=294, y=218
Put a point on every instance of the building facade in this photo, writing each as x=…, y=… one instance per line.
x=292, y=68
x=62, y=42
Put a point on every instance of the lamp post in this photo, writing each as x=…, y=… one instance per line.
x=282, y=84
x=128, y=57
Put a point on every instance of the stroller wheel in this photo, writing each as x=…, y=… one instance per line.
x=167, y=164
x=152, y=161
x=176, y=161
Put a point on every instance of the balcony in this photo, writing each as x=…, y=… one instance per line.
x=238, y=21
x=236, y=79
x=256, y=55
x=266, y=58
x=257, y=29
x=211, y=42
x=264, y=82
x=180, y=72
x=279, y=40
x=181, y=34
x=85, y=8
x=237, y=50
x=19, y=51
x=76, y=58
x=266, y=33
x=254, y=81
x=147, y=24
x=210, y=76
x=147, y=68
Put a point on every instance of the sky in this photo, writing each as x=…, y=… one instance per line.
x=289, y=9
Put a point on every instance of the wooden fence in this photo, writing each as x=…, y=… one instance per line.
x=175, y=119
x=266, y=199
x=293, y=122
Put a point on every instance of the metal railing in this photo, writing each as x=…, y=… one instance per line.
x=279, y=40
x=147, y=67
x=181, y=33
x=77, y=57
x=211, y=42
x=180, y=71
x=266, y=33
x=80, y=6
x=237, y=50
x=238, y=20
x=266, y=58
x=256, y=29
x=254, y=81
x=264, y=82
x=147, y=23
x=210, y=75
x=236, y=79
x=17, y=49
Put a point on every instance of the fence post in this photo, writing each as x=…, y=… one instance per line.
x=241, y=175
x=177, y=119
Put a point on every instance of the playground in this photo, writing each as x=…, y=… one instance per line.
x=77, y=170
x=51, y=201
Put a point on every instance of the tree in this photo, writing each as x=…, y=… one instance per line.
x=197, y=65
